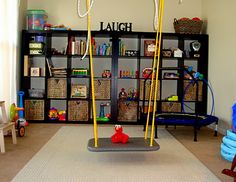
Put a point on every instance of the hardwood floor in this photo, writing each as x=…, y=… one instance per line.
x=207, y=149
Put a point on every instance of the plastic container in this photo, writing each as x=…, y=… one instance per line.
x=36, y=19
x=36, y=93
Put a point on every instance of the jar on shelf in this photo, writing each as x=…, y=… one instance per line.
x=36, y=19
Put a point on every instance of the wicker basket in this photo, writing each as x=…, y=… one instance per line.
x=102, y=89
x=188, y=26
x=147, y=91
x=57, y=88
x=191, y=92
x=34, y=109
x=78, y=110
x=127, y=110
x=171, y=107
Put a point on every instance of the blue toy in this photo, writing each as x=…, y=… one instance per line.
x=102, y=116
x=228, y=145
x=234, y=118
x=17, y=115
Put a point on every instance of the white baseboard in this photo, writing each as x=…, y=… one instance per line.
x=219, y=129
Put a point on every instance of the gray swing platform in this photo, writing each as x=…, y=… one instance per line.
x=134, y=144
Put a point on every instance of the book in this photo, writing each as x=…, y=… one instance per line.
x=56, y=72
x=50, y=66
x=73, y=48
x=26, y=65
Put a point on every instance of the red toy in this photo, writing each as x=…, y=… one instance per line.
x=119, y=136
x=231, y=172
x=146, y=73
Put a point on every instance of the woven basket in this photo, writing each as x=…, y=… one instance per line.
x=188, y=26
x=171, y=107
x=147, y=91
x=78, y=110
x=191, y=92
x=102, y=89
x=34, y=109
x=57, y=88
x=127, y=110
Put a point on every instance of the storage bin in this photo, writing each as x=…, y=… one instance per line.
x=36, y=19
x=37, y=93
x=188, y=26
x=171, y=107
x=127, y=110
x=148, y=88
x=78, y=110
x=191, y=91
x=57, y=88
x=102, y=89
x=34, y=109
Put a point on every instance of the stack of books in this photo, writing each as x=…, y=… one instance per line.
x=56, y=72
x=59, y=72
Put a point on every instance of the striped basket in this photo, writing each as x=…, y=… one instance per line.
x=188, y=26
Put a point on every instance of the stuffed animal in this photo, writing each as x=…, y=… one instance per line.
x=119, y=136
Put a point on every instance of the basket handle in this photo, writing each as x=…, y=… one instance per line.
x=176, y=21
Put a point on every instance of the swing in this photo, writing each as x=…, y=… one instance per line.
x=134, y=143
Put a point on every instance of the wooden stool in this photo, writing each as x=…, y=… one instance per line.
x=5, y=125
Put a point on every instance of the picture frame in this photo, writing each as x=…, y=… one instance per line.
x=149, y=47
x=78, y=91
x=34, y=71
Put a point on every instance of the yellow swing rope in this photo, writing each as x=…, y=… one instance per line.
x=95, y=129
x=155, y=69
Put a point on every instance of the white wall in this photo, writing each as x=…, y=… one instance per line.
x=221, y=28
x=138, y=12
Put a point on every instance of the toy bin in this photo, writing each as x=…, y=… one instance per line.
x=36, y=93
x=36, y=19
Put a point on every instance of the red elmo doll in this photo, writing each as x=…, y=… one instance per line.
x=119, y=136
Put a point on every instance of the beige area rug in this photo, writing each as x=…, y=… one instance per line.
x=65, y=158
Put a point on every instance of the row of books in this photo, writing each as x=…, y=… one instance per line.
x=78, y=47
x=122, y=48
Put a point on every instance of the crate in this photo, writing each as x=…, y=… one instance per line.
x=102, y=89
x=57, y=88
x=147, y=91
x=78, y=110
x=191, y=92
x=34, y=109
x=127, y=110
x=171, y=107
